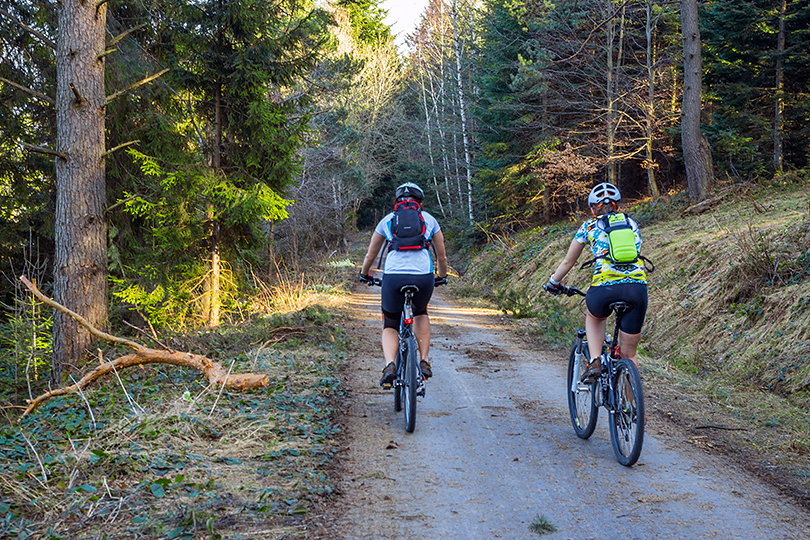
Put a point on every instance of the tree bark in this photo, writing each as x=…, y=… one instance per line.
x=697, y=155
x=779, y=96
x=430, y=139
x=649, y=134
x=462, y=112
x=80, y=265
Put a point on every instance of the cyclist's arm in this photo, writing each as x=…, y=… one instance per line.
x=574, y=251
x=374, y=246
x=441, y=253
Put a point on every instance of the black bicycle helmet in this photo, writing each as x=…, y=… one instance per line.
x=409, y=190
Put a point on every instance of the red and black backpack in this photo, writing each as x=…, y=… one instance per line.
x=408, y=227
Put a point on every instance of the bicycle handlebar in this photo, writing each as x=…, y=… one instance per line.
x=372, y=280
x=571, y=291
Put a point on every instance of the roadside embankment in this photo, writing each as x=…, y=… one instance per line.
x=726, y=347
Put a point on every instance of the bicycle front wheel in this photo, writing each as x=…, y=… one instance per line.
x=581, y=396
x=410, y=385
x=627, y=416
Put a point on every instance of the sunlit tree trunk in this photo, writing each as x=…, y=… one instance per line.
x=80, y=265
x=430, y=140
x=462, y=112
x=213, y=300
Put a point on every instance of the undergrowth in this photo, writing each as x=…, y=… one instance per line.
x=162, y=454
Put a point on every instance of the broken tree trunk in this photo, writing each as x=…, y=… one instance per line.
x=216, y=374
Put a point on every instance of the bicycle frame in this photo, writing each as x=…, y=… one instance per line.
x=405, y=334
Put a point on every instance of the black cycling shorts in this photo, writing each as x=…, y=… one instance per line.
x=393, y=300
x=598, y=300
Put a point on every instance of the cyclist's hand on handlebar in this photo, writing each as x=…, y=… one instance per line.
x=439, y=281
x=367, y=279
x=554, y=288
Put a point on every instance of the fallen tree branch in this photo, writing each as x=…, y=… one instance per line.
x=717, y=426
x=213, y=371
x=702, y=206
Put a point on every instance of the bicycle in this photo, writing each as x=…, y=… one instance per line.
x=610, y=390
x=409, y=382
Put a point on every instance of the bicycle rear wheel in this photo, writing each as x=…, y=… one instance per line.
x=627, y=418
x=581, y=396
x=409, y=386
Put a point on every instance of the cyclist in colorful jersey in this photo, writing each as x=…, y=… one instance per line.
x=406, y=267
x=611, y=281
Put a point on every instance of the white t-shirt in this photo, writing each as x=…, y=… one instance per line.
x=408, y=262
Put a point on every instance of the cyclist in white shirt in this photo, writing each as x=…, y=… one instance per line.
x=408, y=263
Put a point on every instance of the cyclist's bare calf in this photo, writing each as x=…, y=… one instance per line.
x=390, y=339
x=595, y=330
x=421, y=328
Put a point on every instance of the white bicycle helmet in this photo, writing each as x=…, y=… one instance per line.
x=604, y=193
x=410, y=190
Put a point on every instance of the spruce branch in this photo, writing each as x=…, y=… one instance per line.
x=47, y=99
x=133, y=86
x=124, y=34
x=33, y=31
x=119, y=147
x=41, y=150
x=76, y=93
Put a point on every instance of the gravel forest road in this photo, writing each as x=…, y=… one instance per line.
x=494, y=450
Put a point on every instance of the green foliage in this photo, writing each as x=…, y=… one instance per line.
x=26, y=344
x=740, y=40
x=368, y=20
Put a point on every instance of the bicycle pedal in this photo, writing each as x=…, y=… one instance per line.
x=387, y=386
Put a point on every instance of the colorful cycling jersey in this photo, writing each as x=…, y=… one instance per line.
x=605, y=272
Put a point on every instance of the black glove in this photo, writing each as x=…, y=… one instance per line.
x=439, y=281
x=367, y=279
x=553, y=288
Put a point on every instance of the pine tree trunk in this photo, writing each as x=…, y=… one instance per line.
x=80, y=265
x=649, y=135
x=778, y=120
x=697, y=155
x=610, y=91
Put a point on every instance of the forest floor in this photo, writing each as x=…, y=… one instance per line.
x=494, y=456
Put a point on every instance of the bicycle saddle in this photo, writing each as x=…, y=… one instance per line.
x=413, y=289
x=621, y=306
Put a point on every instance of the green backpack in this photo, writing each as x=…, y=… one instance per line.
x=621, y=238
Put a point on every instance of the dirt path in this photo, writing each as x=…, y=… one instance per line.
x=493, y=450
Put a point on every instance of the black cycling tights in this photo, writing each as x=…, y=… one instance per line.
x=393, y=300
x=598, y=300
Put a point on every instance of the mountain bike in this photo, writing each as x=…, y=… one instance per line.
x=618, y=389
x=409, y=382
